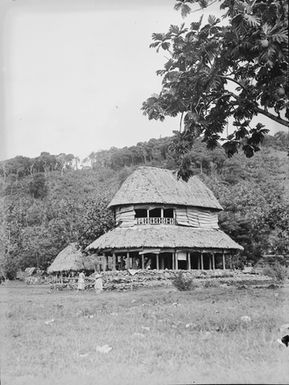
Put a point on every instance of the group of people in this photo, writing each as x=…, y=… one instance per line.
x=98, y=286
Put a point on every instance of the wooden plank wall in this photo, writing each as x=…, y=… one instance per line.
x=202, y=218
x=187, y=216
x=125, y=216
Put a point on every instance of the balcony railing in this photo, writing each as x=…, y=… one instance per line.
x=155, y=221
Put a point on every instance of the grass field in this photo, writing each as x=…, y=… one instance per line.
x=158, y=336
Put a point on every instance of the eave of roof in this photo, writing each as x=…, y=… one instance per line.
x=164, y=236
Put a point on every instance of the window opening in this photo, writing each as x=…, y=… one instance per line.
x=140, y=213
x=155, y=213
x=168, y=213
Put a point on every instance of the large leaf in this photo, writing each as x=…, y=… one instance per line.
x=212, y=20
x=195, y=26
x=231, y=147
x=252, y=20
x=185, y=10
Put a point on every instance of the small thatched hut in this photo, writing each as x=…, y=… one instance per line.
x=163, y=222
x=72, y=259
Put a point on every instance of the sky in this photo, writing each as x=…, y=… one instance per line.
x=75, y=74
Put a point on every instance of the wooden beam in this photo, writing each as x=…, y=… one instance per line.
x=197, y=250
x=214, y=262
x=202, y=261
x=142, y=262
x=210, y=262
x=224, y=261
x=122, y=251
x=176, y=262
x=173, y=261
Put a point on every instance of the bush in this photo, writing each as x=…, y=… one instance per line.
x=8, y=267
x=182, y=283
x=211, y=283
x=277, y=272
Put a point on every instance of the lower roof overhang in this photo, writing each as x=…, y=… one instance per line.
x=164, y=237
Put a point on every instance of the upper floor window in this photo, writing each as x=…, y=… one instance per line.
x=140, y=213
x=168, y=213
x=157, y=215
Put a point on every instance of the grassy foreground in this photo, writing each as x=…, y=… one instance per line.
x=157, y=336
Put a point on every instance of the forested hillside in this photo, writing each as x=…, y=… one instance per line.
x=52, y=200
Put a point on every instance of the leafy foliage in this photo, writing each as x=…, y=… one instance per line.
x=278, y=272
x=38, y=187
x=224, y=71
x=97, y=219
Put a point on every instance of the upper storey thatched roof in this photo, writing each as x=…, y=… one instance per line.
x=156, y=185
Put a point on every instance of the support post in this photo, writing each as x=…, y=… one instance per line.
x=127, y=261
x=176, y=262
x=173, y=261
x=188, y=261
x=202, y=261
x=157, y=261
x=224, y=261
x=142, y=262
x=106, y=262
x=210, y=262
x=113, y=261
x=214, y=262
x=162, y=262
x=199, y=261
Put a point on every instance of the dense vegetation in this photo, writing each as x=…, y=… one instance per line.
x=52, y=200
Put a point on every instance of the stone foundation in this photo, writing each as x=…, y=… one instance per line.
x=123, y=280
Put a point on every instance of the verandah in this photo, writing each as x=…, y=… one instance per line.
x=167, y=259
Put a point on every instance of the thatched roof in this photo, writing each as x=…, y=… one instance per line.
x=71, y=259
x=156, y=185
x=164, y=237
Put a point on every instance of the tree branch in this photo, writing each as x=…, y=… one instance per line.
x=201, y=9
x=181, y=120
x=259, y=110
x=273, y=117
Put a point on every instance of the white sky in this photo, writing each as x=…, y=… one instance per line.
x=76, y=72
